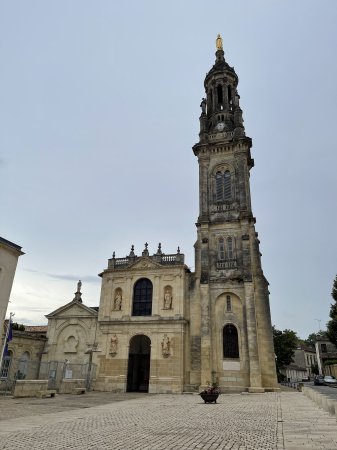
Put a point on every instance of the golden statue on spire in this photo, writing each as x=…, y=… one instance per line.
x=218, y=42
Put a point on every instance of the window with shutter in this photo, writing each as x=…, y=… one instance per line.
x=219, y=186
x=230, y=253
x=221, y=253
x=227, y=185
x=228, y=303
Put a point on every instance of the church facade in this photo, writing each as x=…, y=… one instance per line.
x=160, y=327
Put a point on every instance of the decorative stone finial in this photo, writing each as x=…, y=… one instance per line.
x=145, y=251
x=218, y=43
x=113, y=255
x=178, y=251
x=78, y=293
x=132, y=253
x=159, y=252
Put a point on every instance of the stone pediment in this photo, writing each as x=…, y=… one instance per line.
x=145, y=263
x=73, y=309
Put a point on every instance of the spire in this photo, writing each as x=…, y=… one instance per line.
x=78, y=293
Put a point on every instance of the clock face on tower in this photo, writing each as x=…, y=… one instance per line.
x=220, y=126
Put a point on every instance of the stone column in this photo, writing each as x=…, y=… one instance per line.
x=265, y=335
x=205, y=336
x=107, y=294
x=253, y=351
x=127, y=300
x=157, y=296
x=203, y=187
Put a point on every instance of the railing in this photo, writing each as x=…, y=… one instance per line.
x=173, y=259
x=53, y=371
x=224, y=207
x=229, y=264
x=121, y=261
x=218, y=136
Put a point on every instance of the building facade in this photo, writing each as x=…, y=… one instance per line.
x=24, y=353
x=306, y=357
x=9, y=255
x=160, y=327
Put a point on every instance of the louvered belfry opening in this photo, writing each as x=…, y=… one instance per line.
x=223, y=186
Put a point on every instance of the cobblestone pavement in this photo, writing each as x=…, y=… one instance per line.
x=20, y=407
x=286, y=420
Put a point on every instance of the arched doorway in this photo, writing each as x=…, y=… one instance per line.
x=139, y=364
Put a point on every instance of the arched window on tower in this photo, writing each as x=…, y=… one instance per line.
x=142, y=298
x=219, y=186
x=221, y=252
x=227, y=185
x=223, y=186
x=229, y=94
x=220, y=96
x=230, y=252
x=230, y=342
x=228, y=303
x=210, y=107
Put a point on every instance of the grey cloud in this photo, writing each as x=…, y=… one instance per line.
x=85, y=278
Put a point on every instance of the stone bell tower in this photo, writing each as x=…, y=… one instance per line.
x=231, y=291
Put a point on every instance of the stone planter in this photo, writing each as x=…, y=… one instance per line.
x=209, y=398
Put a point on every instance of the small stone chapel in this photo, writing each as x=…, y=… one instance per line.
x=161, y=328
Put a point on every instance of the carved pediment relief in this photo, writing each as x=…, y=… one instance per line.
x=145, y=264
x=73, y=309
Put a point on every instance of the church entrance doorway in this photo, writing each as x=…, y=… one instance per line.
x=139, y=364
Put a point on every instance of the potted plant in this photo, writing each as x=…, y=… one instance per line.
x=210, y=394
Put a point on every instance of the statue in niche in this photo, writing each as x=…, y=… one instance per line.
x=165, y=346
x=118, y=301
x=113, y=345
x=167, y=299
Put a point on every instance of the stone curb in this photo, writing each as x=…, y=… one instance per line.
x=321, y=400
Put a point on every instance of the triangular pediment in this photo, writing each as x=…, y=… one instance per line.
x=73, y=309
x=145, y=263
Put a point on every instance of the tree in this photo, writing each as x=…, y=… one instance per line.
x=311, y=340
x=18, y=326
x=314, y=369
x=332, y=324
x=285, y=344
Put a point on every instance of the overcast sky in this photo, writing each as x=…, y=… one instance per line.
x=99, y=109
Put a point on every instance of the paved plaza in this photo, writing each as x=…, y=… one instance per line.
x=274, y=421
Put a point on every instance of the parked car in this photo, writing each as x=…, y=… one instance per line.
x=319, y=380
x=306, y=378
x=329, y=380
x=326, y=380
